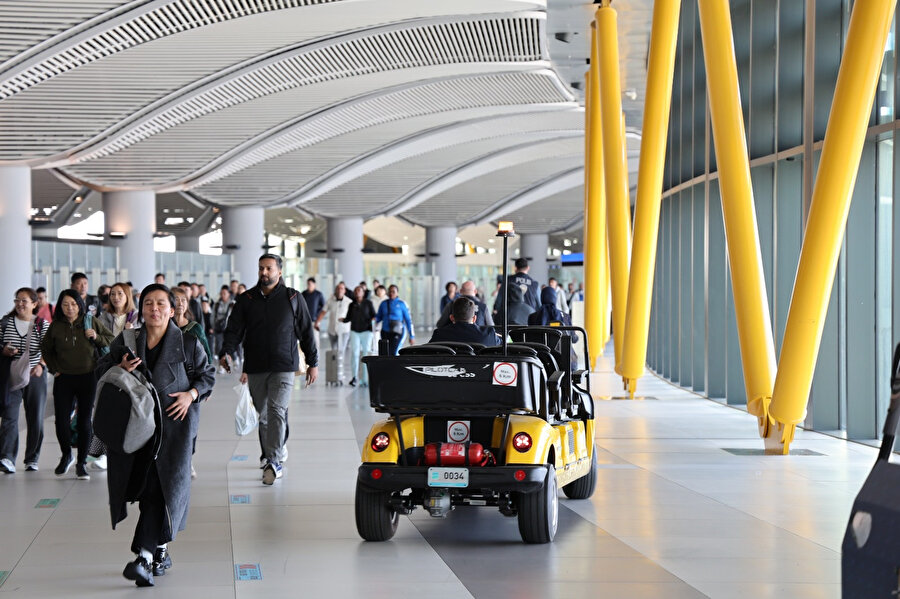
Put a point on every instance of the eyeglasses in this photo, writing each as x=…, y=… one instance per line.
x=21, y=301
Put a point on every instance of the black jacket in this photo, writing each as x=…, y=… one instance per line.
x=467, y=333
x=483, y=317
x=360, y=316
x=269, y=327
x=519, y=309
x=530, y=288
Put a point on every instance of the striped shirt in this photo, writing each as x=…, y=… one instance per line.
x=15, y=332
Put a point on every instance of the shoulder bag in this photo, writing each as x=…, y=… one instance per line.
x=20, y=368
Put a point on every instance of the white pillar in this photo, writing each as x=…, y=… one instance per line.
x=533, y=247
x=243, y=236
x=440, y=249
x=345, y=244
x=130, y=218
x=15, y=233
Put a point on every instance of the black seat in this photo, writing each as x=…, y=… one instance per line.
x=427, y=349
x=461, y=348
x=513, y=349
x=574, y=397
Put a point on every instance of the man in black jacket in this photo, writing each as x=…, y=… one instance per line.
x=271, y=318
x=530, y=288
x=483, y=317
x=462, y=326
x=92, y=304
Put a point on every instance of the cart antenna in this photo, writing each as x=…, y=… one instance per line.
x=505, y=230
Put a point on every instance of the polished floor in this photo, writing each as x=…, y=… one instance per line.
x=680, y=512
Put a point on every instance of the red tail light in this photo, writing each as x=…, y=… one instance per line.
x=519, y=475
x=380, y=442
x=376, y=473
x=522, y=442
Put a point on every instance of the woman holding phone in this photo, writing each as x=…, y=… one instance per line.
x=69, y=350
x=161, y=483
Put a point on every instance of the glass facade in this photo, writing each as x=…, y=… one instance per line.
x=788, y=63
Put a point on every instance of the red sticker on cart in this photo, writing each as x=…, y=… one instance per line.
x=506, y=374
x=458, y=431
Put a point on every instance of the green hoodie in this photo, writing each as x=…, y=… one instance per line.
x=67, y=350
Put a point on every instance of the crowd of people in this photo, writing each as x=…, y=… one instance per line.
x=176, y=337
x=465, y=316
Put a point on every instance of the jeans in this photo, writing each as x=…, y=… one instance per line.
x=35, y=397
x=218, y=340
x=395, y=340
x=69, y=391
x=359, y=346
x=271, y=393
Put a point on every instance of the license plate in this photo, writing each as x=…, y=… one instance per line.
x=448, y=477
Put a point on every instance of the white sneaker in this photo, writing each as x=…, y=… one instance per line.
x=7, y=466
x=98, y=463
x=284, y=454
x=271, y=473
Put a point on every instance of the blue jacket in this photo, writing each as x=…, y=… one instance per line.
x=395, y=309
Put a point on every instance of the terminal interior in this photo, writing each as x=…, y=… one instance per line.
x=714, y=178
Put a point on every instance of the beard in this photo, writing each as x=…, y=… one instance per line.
x=266, y=281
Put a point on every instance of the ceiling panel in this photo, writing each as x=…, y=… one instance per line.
x=371, y=194
x=463, y=202
x=555, y=213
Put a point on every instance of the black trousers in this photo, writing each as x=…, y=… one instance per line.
x=35, y=397
x=69, y=391
x=394, y=339
x=150, y=531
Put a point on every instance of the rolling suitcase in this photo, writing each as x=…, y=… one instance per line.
x=334, y=368
x=870, y=564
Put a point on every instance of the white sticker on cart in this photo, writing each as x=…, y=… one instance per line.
x=506, y=374
x=458, y=431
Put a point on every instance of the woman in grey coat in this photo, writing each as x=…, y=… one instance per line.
x=161, y=483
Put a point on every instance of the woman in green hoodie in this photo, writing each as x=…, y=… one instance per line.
x=69, y=349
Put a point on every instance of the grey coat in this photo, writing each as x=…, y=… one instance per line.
x=182, y=364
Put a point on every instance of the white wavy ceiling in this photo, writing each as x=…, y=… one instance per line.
x=438, y=111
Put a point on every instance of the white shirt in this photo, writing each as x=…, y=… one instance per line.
x=337, y=308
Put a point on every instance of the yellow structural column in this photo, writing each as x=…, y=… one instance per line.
x=595, y=264
x=660, y=71
x=744, y=257
x=860, y=69
x=615, y=169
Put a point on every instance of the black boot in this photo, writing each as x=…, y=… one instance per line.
x=140, y=571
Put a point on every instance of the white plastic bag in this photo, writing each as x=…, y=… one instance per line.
x=245, y=417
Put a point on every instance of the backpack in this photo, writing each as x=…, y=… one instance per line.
x=128, y=407
x=294, y=299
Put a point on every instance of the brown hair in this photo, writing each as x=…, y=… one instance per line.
x=129, y=297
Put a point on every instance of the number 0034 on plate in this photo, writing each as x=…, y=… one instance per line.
x=448, y=477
